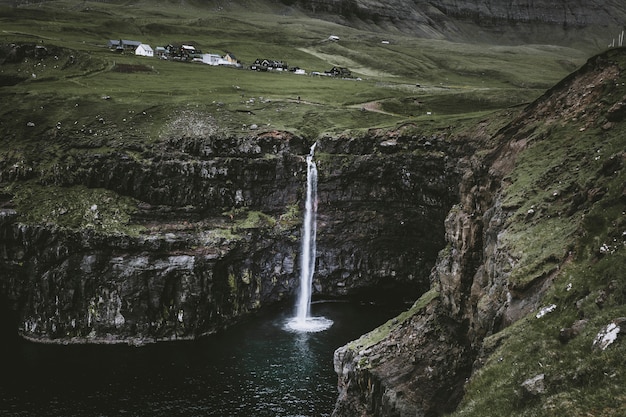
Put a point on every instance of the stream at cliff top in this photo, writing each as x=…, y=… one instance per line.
x=253, y=369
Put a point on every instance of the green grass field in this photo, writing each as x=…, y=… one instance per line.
x=409, y=79
x=65, y=95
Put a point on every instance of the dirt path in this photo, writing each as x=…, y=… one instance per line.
x=373, y=106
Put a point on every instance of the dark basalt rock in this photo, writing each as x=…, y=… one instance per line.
x=200, y=264
x=419, y=364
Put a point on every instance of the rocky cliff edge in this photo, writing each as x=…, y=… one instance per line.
x=176, y=239
x=526, y=305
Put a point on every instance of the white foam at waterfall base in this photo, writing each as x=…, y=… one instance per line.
x=308, y=324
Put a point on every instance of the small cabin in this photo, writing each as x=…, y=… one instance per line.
x=339, y=72
x=161, y=52
x=231, y=59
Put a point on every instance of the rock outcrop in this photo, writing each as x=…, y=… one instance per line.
x=213, y=232
x=486, y=278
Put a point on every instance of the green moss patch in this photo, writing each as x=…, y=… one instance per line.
x=75, y=208
x=578, y=377
x=381, y=332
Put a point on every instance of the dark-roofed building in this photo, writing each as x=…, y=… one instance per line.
x=123, y=45
x=268, y=65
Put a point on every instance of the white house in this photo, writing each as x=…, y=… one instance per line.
x=144, y=50
x=212, y=59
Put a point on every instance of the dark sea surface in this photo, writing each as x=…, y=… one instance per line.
x=253, y=369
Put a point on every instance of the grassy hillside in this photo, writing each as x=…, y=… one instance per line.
x=67, y=96
x=453, y=78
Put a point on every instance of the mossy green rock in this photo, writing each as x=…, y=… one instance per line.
x=528, y=297
x=182, y=236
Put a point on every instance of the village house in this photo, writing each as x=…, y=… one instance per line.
x=231, y=60
x=212, y=59
x=123, y=45
x=190, y=49
x=184, y=52
x=160, y=52
x=144, y=50
x=268, y=65
x=339, y=72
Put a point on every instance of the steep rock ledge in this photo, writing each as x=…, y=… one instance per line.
x=515, y=228
x=212, y=230
x=417, y=366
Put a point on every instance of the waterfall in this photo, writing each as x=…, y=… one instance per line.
x=309, y=232
x=303, y=320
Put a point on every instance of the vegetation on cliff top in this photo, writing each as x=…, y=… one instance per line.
x=67, y=97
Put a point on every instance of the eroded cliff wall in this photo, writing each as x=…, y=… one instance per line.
x=214, y=230
x=524, y=241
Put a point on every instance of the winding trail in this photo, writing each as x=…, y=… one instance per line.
x=373, y=106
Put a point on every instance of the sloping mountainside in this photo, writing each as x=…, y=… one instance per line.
x=527, y=301
x=589, y=23
x=493, y=21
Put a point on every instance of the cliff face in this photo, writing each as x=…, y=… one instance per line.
x=514, y=21
x=533, y=214
x=559, y=13
x=213, y=232
x=364, y=224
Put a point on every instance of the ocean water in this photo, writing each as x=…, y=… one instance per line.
x=256, y=368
